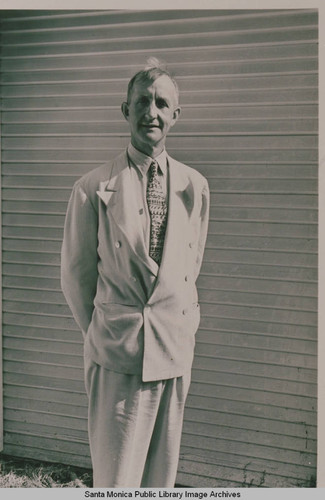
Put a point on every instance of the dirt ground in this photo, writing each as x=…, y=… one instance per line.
x=27, y=473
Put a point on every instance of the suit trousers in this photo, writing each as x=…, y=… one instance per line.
x=134, y=428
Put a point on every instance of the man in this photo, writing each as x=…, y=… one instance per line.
x=133, y=243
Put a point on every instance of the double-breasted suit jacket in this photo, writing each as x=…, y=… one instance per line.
x=136, y=317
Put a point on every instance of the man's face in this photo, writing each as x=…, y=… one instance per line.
x=151, y=112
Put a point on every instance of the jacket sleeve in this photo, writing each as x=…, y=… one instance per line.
x=204, y=216
x=79, y=257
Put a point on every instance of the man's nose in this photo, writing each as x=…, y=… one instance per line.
x=152, y=110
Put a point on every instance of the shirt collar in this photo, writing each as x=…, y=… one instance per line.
x=143, y=162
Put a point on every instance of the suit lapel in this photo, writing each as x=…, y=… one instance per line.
x=180, y=208
x=179, y=211
x=118, y=196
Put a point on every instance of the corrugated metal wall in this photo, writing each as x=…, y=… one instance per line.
x=248, y=83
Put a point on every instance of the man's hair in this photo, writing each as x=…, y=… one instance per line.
x=153, y=70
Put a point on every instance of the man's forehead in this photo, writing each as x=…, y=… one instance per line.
x=162, y=85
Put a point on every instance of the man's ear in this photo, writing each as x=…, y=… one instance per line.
x=176, y=113
x=125, y=110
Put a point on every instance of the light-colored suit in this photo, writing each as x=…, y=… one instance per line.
x=139, y=320
x=136, y=318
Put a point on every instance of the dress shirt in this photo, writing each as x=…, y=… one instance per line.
x=139, y=164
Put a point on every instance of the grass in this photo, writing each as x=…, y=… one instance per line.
x=27, y=473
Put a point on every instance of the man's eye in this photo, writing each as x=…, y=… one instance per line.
x=143, y=100
x=161, y=103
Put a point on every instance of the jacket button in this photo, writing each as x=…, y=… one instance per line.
x=186, y=278
x=190, y=245
x=184, y=311
x=133, y=278
x=117, y=244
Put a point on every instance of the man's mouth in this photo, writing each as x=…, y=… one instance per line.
x=150, y=125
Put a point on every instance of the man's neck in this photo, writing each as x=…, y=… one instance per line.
x=151, y=151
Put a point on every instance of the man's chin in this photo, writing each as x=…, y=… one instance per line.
x=152, y=136
x=148, y=143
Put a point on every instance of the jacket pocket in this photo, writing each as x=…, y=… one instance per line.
x=114, y=308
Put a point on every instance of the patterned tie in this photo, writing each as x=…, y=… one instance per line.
x=158, y=213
